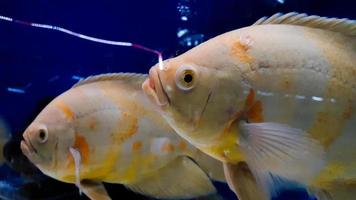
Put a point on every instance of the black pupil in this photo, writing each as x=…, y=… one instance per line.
x=188, y=78
x=42, y=134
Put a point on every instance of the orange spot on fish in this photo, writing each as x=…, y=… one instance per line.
x=255, y=113
x=182, y=145
x=250, y=98
x=129, y=132
x=253, y=108
x=65, y=109
x=92, y=124
x=136, y=146
x=82, y=146
x=240, y=50
x=167, y=147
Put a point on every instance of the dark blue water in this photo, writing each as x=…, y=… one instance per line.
x=42, y=64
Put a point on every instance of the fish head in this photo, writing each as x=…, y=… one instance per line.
x=47, y=139
x=194, y=96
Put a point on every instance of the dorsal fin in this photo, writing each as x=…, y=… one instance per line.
x=132, y=78
x=344, y=25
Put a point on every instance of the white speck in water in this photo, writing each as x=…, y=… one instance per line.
x=182, y=32
x=299, y=97
x=315, y=98
x=280, y=1
x=74, y=77
x=184, y=18
x=332, y=100
x=16, y=90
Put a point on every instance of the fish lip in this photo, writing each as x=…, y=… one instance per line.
x=153, y=87
x=31, y=149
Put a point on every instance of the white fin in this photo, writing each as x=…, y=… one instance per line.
x=344, y=25
x=278, y=149
x=212, y=167
x=94, y=190
x=241, y=181
x=132, y=78
x=180, y=179
x=77, y=159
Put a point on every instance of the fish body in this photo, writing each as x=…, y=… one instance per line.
x=280, y=95
x=105, y=130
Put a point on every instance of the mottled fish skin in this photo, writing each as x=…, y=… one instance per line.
x=119, y=135
x=295, y=75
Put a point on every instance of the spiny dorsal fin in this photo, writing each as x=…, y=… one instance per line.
x=134, y=78
x=344, y=25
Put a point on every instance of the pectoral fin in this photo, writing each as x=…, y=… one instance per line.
x=180, y=179
x=281, y=150
x=241, y=180
x=94, y=190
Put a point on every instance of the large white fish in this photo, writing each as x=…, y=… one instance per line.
x=279, y=95
x=104, y=129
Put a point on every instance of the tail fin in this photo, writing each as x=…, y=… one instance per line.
x=212, y=167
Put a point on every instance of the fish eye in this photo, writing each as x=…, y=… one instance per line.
x=186, y=78
x=42, y=135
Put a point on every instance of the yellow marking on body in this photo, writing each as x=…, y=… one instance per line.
x=136, y=146
x=167, y=147
x=97, y=172
x=64, y=107
x=329, y=123
x=331, y=119
x=140, y=164
x=331, y=172
x=240, y=50
x=226, y=147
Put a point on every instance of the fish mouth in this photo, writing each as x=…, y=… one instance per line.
x=27, y=148
x=153, y=87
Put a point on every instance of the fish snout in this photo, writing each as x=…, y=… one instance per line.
x=27, y=147
x=153, y=88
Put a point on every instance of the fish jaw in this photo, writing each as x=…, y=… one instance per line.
x=153, y=88
x=28, y=150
